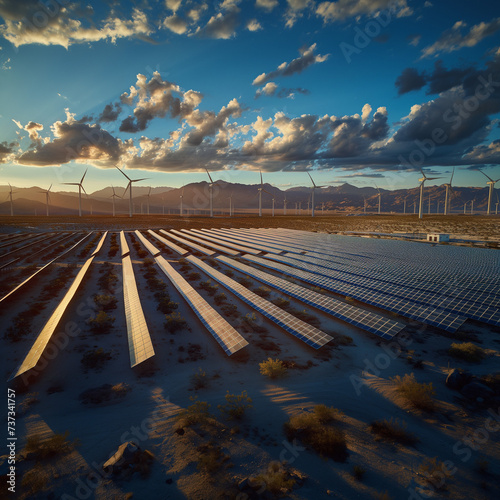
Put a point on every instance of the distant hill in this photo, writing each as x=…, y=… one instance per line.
x=344, y=198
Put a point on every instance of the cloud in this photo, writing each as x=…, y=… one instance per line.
x=173, y=5
x=268, y=5
x=6, y=64
x=7, y=150
x=195, y=13
x=454, y=39
x=32, y=128
x=294, y=10
x=307, y=58
x=410, y=79
x=176, y=24
x=32, y=22
x=253, y=25
x=290, y=92
x=414, y=39
x=110, y=113
x=73, y=140
x=156, y=99
x=268, y=89
x=487, y=154
x=344, y=9
x=221, y=26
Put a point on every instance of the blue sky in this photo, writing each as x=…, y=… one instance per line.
x=353, y=91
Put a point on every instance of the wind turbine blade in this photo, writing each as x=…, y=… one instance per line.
x=123, y=173
x=137, y=180
x=452, y=174
x=209, y=176
x=314, y=185
x=71, y=183
x=85, y=173
x=487, y=176
x=128, y=185
x=261, y=182
x=49, y=188
x=84, y=190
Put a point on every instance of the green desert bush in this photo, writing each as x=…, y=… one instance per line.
x=275, y=480
x=467, y=351
x=273, y=368
x=199, y=380
x=393, y=430
x=101, y=323
x=220, y=298
x=174, y=322
x=325, y=439
x=196, y=413
x=236, y=405
x=419, y=395
x=105, y=302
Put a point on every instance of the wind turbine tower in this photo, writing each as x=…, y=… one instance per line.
x=182, y=200
x=80, y=187
x=47, y=197
x=312, y=192
x=211, y=194
x=114, y=195
x=148, y=196
x=421, y=204
x=449, y=191
x=491, y=184
x=379, y=199
x=129, y=187
x=11, y=201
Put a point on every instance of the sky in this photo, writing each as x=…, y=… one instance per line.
x=367, y=92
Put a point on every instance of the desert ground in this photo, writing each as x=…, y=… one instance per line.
x=174, y=406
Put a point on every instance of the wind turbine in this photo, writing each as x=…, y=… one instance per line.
x=230, y=205
x=11, y=201
x=80, y=187
x=404, y=208
x=490, y=183
x=379, y=199
x=422, y=182
x=129, y=187
x=148, y=196
x=182, y=200
x=211, y=194
x=312, y=192
x=447, y=198
x=496, y=205
x=364, y=205
x=47, y=197
x=114, y=195
x=284, y=206
x=273, y=207
x=261, y=189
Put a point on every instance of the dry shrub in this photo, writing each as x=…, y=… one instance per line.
x=419, y=395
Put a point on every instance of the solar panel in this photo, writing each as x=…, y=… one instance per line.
x=310, y=335
x=188, y=243
x=100, y=244
x=139, y=341
x=371, y=322
x=20, y=249
x=150, y=247
x=470, y=310
x=124, y=245
x=441, y=319
x=18, y=287
x=168, y=243
x=209, y=244
x=222, y=241
x=225, y=335
x=43, y=338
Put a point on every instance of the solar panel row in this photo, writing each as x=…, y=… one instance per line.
x=201, y=235
x=48, y=330
x=209, y=244
x=226, y=336
x=441, y=319
x=168, y=243
x=371, y=322
x=188, y=243
x=298, y=328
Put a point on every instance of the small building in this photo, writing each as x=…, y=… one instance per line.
x=438, y=237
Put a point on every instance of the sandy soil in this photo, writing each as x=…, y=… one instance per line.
x=336, y=378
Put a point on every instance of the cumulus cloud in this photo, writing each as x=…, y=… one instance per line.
x=345, y=9
x=410, y=79
x=110, y=113
x=73, y=140
x=32, y=128
x=306, y=59
x=414, y=39
x=28, y=22
x=268, y=89
x=295, y=9
x=221, y=26
x=173, y=5
x=253, y=25
x=266, y=4
x=455, y=38
x=7, y=150
x=488, y=154
x=156, y=98
x=176, y=24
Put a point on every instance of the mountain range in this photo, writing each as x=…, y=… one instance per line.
x=345, y=198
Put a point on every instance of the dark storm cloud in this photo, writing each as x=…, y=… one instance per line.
x=110, y=113
x=6, y=148
x=410, y=79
